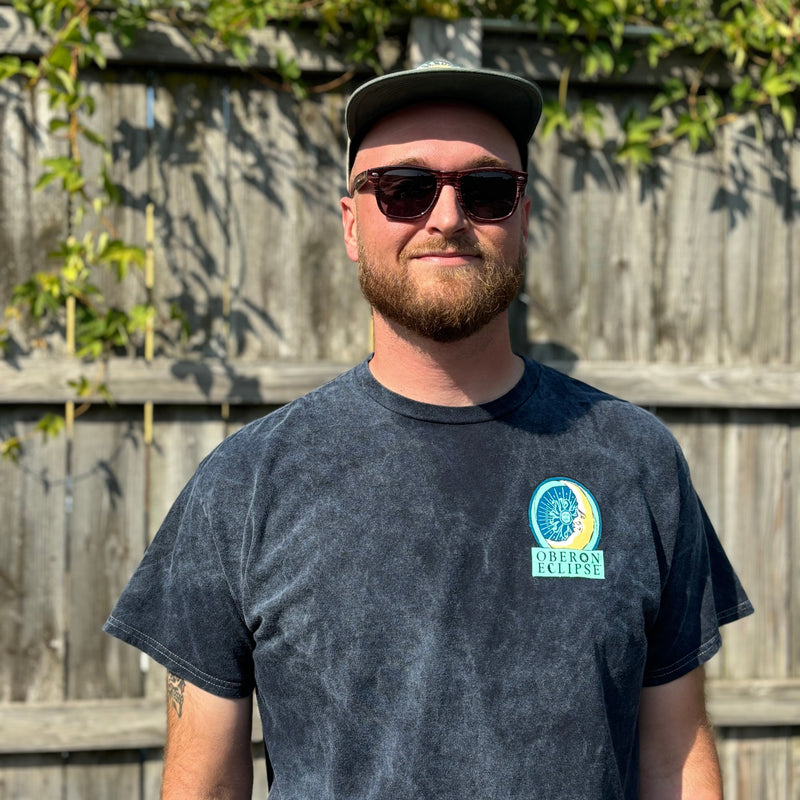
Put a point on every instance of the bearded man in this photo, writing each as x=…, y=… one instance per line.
x=452, y=572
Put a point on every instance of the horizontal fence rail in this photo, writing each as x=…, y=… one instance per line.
x=181, y=381
x=141, y=724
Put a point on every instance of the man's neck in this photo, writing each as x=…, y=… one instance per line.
x=464, y=373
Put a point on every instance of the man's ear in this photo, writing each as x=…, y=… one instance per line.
x=525, y=202
x=350, y=226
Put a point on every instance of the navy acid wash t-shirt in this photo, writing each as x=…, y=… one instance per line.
x=435, y=602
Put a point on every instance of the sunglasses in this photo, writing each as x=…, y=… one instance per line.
x=486, y=194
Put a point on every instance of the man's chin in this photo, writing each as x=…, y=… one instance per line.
x=441, y=325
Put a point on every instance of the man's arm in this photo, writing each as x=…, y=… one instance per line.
x=207, y=755
x=678, y=754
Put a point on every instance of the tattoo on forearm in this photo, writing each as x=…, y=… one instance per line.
x=175, y=688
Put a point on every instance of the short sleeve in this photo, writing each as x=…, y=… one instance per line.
x=179, y=606
x=700, y=592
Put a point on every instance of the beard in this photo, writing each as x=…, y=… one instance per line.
x=457, y=302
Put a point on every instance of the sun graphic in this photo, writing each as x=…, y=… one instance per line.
x=564, y=515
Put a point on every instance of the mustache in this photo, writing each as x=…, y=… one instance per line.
x=457, y=245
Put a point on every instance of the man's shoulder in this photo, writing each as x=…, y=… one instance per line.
x=578, y=402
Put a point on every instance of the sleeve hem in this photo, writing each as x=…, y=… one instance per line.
x=743, y=609
x=685, y=665
x=173, y=662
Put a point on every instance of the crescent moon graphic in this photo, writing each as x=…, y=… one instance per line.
x=583, y=525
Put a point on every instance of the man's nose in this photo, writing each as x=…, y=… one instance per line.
x=446, y=215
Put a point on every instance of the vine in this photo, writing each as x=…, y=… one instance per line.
x=756, y=41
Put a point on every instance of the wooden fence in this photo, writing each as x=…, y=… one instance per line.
x=677, y=287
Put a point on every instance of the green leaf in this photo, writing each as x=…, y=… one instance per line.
x=121, y=255
x=9, y=66
x=555, y=118
x=11, y=449
x=60, y=57
x=636, y=154
x=67, y=170
x=65, y=80
x=110, y=188
x=48, y=177
x=103, y=391
x=288, y=68
x=788, y=114
x=240, y=48
x=92, y=136
x=57, y=125
x=177, y=314
x=599, y=58
x=591, y=119
x=94, y=349
x=638, y=129
x=50, y=425
x=82, y=387
x=672, y=91
x=141, y=317
x=742, y=92
x=693, y=129
x=778, y=85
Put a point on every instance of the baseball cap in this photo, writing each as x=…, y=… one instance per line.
x=515, y=101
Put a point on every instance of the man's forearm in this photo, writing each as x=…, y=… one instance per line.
x=697, y=778
x=678, y=755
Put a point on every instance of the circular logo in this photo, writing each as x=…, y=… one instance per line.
x=564, y=514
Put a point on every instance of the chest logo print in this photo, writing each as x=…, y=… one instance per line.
x=566, y=524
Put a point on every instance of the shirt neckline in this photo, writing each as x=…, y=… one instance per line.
x=452, y=415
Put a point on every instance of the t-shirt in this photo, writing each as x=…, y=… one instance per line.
x=438, y=602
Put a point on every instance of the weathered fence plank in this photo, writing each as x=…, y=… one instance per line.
x=756, y=491
x=111, y=774
x=120, y=117
x=106, y=539
x=758, y=766
x=756, y=283
x=189, y=189
x=793, y=527
x=689, y=241
x=31, y=222
x=32, y=566
x=294, y=291
x=31, y=776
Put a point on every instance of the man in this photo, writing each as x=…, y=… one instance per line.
x=450, y=572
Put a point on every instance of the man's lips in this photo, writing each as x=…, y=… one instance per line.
x=444, y=256
x=438, y=250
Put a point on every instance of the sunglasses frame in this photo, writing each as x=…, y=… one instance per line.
x=372, y=177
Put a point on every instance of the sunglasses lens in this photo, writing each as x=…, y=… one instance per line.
x=489, y=195
x=405, y=193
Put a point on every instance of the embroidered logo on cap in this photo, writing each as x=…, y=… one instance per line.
x=565, y=521
x=437, y=63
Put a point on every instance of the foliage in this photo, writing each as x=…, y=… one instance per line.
x=756, y=41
